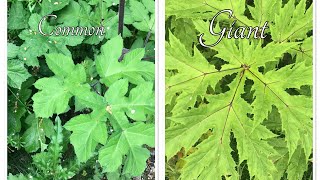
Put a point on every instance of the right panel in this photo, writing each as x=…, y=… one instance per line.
x=239, y=89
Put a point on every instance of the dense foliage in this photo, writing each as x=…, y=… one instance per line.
x=80, y=107
x=243, y=108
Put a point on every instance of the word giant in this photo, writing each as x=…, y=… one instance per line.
x=238, y=33
x=73, y=31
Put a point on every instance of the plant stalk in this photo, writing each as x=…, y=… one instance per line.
x=121, y=17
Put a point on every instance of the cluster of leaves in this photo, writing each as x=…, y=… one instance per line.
x=80, y=103
x=243, y=108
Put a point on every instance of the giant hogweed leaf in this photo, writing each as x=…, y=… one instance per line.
x=184, y=30
x=194, y=73
x=295, y=111
x=191, y=125
x=88, y=130
x=227, y=112
x=292, y=21
x=304, y=51
x=56, y=91
x=131, y=68
x=30, y=49
x=297, y=166
x=264, y=10
x=293, y=77
x=281, y=158
x=199, y=9
x=128, y=141
x=243, y=51
x=214, y=158
x=251, y=142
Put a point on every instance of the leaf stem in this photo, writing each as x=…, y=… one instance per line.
x=230, y=104
x=266, y=85
x=204, y=74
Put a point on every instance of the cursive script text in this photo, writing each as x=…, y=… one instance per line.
x=241, y=32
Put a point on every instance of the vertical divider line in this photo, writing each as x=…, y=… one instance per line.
x=316, y=90
x=160, y=54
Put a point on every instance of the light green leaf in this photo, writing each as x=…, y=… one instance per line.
x=17, y=177
x=59, y=64
x=135, y=70
x=18, y=16
x=17, y=73
x=199, y=9
x=243, y=51
x=30, y=49
x=297, y=165
x=88, y=130
x=292, y=21
x=149, y=4
x=48, y=6
x=128, y=142
x=56, y=91
x=137, y=106
x=212, y=159
x=12, y=51
x=76, y=14
x=264, y=10
x=138, y=10
x=194, y=74
x=295, y=111
x=136, y=161
x=52, y=97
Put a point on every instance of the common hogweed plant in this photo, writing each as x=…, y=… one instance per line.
x=243, y=108
x=80, y=106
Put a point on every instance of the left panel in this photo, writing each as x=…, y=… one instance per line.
x=80, y=83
